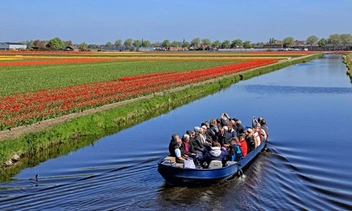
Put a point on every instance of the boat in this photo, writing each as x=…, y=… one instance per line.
x=175, y=175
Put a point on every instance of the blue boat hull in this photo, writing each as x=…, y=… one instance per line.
x=177, y=176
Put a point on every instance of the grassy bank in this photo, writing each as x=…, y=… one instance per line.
x=347, y=59
x=107, y=122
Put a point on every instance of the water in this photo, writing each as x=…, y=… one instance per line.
x=308, y=108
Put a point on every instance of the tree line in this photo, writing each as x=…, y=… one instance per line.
x=196, y=43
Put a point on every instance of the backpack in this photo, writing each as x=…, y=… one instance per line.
x=236, y=153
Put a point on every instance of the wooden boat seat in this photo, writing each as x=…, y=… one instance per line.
x=179, y=165
x=170, y=159
x=215, y=164
x=228, y=163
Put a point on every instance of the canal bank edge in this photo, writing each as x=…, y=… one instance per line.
x=116, y=116
x=347, y=59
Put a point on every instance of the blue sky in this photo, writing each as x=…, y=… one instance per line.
x=100, y=21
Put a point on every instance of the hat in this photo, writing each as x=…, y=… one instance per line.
x=250, y=130
x=204, y=127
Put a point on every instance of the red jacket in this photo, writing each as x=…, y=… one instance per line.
x=244, y=147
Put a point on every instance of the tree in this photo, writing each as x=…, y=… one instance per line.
x=146, y=43
x=36, y=43
x=236, y=43
x=83, y=46
x=226, y=44
x=67, y=43
x=206, y=42
x=42, y=45
x=345, y=39
x=128, y=43
x=216, y=44
x=334, y=39
x=185, y=44
x=271, y=41
x=118, y=43
x=247, y=44
x=109, y=44
x=137, y=43
x=165, y=44
x=311, y=40
x=56, y=44
x=195, y=42
x=288, y=41
x=322, y=42
x=175, y=44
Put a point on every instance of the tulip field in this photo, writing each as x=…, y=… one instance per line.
x=36, y=87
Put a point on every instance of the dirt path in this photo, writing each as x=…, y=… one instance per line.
x=19, y=131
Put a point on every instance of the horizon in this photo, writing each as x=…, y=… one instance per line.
x=155, y=20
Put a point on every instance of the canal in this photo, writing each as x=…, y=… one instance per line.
x=308, y=108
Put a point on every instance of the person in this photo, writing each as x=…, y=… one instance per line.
x=188, y=149
x=172, y=143
x=207, y=134
x=229, y=131
x=214, y=126
x=256, y=121
x=179, y=152
x=265, y=127
x=222, y=139
x=216, y=153
x=243, y=144
x=259, y=135
x=188, y=146
x=196, y=147
x=199, y=138
x=250, y=139
x=240, y=128
x=235, y=150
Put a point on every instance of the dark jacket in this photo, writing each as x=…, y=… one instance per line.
x=212, y=154
x=195, y=145
x=230, y=134
x=250, y=143
x=240, y=128
x=222, y=139
x=172, y=147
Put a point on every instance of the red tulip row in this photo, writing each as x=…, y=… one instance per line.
x=27, y=108
x=135, y=77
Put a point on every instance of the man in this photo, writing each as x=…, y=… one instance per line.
x=179, y=152
x=240, y=128
x=250, y=139
x=265, y=127
x=229, y=131
x=222, y=139
x=172, y=143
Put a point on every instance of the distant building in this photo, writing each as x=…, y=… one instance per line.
x=12, y=46
x=72, y=48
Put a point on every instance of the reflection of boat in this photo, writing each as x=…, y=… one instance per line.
x=176, y=175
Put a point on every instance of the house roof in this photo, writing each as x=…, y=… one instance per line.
x=13, y=43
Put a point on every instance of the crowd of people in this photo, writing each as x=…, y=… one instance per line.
x=223, y=139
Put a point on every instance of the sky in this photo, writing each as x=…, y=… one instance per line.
x=100, y=21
